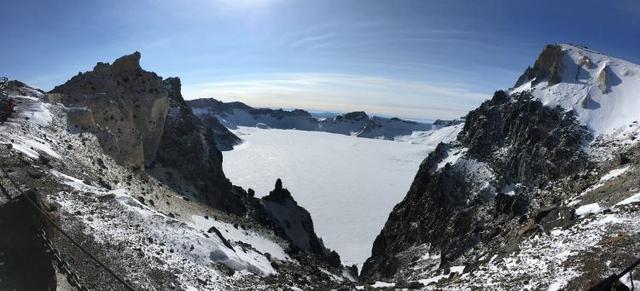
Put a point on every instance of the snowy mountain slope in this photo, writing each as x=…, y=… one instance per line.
x=538, y=190
x=432, y=138
x=153, y=236
x=602, y=90
x=236, y=114
x=348, y=184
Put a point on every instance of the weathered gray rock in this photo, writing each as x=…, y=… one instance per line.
x=125, y=101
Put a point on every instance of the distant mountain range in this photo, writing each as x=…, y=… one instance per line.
x=358, y=123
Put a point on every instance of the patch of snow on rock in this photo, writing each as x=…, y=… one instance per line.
x=602, y=90
x=588, y=209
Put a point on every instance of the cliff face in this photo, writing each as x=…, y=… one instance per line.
x=463, y=194
x=187, y=159
x=127, y=102
x=143, y=121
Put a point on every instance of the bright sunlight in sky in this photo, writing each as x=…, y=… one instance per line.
x=409, y=58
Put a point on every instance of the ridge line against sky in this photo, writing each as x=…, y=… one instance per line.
x=408, y=58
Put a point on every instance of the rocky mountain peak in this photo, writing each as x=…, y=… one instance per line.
x=128, y=106
x=601, y=89
x=356, y=115
x=548, y=66
x=295, y=223
x=128, y=62
x=173, y=85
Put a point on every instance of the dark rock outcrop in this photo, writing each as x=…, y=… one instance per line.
x=544, y=143
x=224, y=139
x=143, y=121
x=216, y=105
x=295, y=223
x=548, y=66
x=444, y=123
x=509, y=140
x=187, y=159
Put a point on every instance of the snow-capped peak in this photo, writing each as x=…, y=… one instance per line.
x=604, y=91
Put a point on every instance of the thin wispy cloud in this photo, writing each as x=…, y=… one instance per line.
x=426, y=55
x=344, y=92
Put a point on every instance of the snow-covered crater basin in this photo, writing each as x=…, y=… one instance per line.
x=348, y=184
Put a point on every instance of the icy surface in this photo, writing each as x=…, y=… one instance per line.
x=588, y=209
x=37, y=116
x=452, y=157
x=634, y=198
x=380, y=284
x=614, y=173
x=348, y=184
x=604, y=106
x=432, y=137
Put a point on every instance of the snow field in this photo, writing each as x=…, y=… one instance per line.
x=348, y=184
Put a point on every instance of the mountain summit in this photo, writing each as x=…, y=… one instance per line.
x=602, y=90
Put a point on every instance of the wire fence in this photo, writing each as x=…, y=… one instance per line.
x=72, y=277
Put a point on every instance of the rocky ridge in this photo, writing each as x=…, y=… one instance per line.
x=356, y=123
x=518, y=186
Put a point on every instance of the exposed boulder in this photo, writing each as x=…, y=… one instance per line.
x=126, y=101
x=607, y=78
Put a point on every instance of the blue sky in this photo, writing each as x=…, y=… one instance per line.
x=413, y=59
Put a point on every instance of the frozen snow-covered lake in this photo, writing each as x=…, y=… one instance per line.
x=348, y=184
